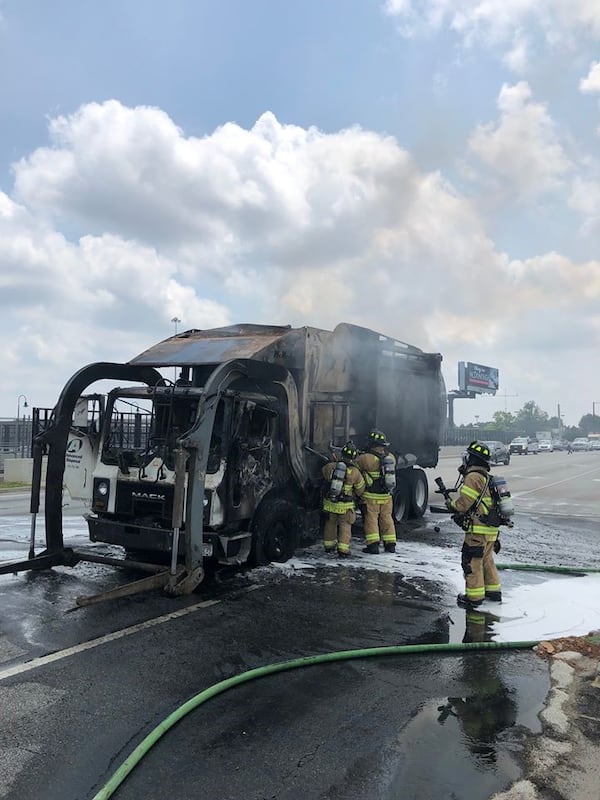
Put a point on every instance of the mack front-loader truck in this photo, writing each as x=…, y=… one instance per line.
x=212, y=443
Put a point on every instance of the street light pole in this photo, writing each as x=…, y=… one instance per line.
x=19, y=437
x=505, y=396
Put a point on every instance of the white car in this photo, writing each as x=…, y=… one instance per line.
x=581, y=443
x=546, y=445
x=523, y=445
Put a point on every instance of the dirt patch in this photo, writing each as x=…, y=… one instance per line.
x=588, y=645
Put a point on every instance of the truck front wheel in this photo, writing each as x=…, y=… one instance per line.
x=275, y=531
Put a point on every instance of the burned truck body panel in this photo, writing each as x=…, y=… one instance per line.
x=349, y=380
x=224, y=461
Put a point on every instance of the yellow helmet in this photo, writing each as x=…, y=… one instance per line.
x=350, y=451
x=378, y=438
x=479, y=450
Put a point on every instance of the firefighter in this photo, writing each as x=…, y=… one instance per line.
x=345, y=483
x=378, y=466
x=472, y=505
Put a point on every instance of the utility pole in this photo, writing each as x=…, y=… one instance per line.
x=559, y=421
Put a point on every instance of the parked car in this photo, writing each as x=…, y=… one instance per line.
x=522, y=445
x=546, y=446
x=581, y=443
x=594, y=444
x=499, y=453
x=560, y=444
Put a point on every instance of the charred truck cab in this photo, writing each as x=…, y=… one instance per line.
x=224, y=463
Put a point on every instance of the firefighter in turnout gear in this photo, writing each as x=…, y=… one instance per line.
x=344, y=483
x=378, y=466
x=473, y=505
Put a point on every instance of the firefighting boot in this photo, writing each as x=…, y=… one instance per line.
x=465, y=602
x=390, y=547
x=495, y=597
x=372, y=548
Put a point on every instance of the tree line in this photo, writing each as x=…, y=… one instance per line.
x=531, y=418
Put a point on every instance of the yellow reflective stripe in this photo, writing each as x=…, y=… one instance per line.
x=492, y=587
x=377, y=498
x=371, y=538
x=475, y=594
x=343, y=547
x=468, y=492
x=484, y=530
x=337, y=508
x=359, y=485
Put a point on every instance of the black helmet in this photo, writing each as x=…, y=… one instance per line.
x=378, y=438
x=350, y=451
x=479, y=452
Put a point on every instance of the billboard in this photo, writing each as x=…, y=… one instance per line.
x=477, y=378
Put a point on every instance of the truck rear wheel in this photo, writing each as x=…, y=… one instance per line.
x=275, y=531
x=418, y=492
x=401, y=498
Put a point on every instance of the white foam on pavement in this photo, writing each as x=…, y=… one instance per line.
x=538, y=605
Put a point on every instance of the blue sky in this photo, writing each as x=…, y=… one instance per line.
x=430, y=169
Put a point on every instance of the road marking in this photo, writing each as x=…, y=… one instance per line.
x=556, y=483
x=42, y=661
x=529, y=477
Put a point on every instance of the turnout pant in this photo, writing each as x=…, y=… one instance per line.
x=478, y=565
x=337, y=531
x=378, y=521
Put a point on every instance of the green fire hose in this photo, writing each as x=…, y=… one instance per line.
x=270, y=669
x=152, y=738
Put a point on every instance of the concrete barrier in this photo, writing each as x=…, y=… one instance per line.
x=20, y=470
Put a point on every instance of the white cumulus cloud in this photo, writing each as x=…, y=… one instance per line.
x=592, y=82
x=123, y=222
x=522, y=147
x=500, y=19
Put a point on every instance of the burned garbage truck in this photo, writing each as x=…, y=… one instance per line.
x=214, y=447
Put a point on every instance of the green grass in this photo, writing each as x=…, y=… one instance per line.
x=13, y=485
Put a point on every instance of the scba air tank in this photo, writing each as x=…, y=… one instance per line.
x=388, y=467
x=505, y=502
x=337, y=480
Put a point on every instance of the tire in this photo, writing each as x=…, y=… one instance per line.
x=401, y=508
x=275, y=531
x=418, y=493
x=506, y=461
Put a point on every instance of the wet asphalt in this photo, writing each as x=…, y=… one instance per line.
x=411, y=726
